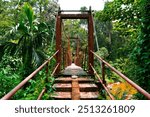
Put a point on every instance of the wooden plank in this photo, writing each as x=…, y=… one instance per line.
x=75, y=90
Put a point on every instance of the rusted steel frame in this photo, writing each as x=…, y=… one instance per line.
x=142, y=91
x=90, y=44
x=41, y=94
x=74, y=16
x=58, y=41
x=74, y=11
x=20, y=85
x=106, y=89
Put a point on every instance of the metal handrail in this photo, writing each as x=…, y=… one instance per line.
x=20, y=85
x=106, y=89
x=55, y=69
x=41, y=94
x=142, y=91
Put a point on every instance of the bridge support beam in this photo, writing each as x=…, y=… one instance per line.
x=89, y=17
x=90, y=44
x=58, y=42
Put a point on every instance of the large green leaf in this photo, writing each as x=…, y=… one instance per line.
x=27, y=9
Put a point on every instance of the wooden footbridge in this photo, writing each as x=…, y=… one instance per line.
x=76, y=83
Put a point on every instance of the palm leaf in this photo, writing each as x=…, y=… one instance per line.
x=10, y=48
x=38, y=57
x=29, y=13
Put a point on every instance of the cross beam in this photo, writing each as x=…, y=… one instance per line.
x=74, y=16
x=89, y=17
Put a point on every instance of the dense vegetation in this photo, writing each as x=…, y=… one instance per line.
x=123, y=38
x=27, y=39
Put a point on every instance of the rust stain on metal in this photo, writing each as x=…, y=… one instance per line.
x=74, y=16
x=90, y=44
x=58, y=42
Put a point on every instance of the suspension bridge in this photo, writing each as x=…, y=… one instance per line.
x=72, y=81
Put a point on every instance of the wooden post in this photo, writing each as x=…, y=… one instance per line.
x=58, y=42
x=90, y=43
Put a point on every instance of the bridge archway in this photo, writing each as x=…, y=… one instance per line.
x=84, y=15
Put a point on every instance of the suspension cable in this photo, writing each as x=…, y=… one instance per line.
x=95, y=35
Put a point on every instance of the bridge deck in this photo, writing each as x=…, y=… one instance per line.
x=82, y=88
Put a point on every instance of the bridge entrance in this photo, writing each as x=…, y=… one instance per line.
x=87, y=15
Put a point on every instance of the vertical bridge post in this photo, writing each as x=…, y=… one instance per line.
x=90, y=43
x=58, y=42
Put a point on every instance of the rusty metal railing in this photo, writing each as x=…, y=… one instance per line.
x=20, y=85
x=103, y=84
x=42, y=93
x=138, y=88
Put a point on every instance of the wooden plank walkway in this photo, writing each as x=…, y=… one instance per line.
x=82, y=88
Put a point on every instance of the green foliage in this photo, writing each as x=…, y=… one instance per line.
x=102, y=95
x=8, y=80
x=29, y=38
x=26, y=45
x=27, y=12
x=103, y=52
x=117, y=27
x=121, y=10
x=10, y=74
x=141, y=52
x=127, y=41
x=5, y=16
x=36, y=85
x=34, y=29
x=120, y=65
